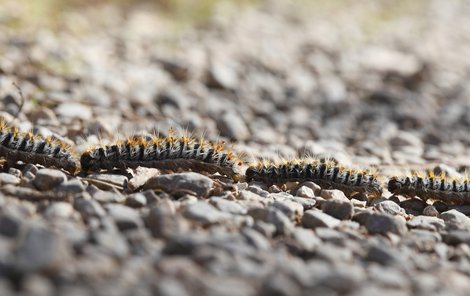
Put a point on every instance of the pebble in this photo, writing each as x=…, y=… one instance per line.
x=108, y=196
x=455, y=220
x=193, y=183
x=430, y=211
x=126, y=218
x=47, y=179
x=71, y=186
x=8, y=179
x=163, y=223
x=53, y=250
x=74, y=110
x=232, y=126
x=389, y=207
x=136, y=200
x=273, y=216
x=342, y=210
x=205, y=213
x=305, y=192
x=89, y=208
x=228, y=206
x=334, y=194
x=384, y=223
x=60, y=210
x=425, y=222
x=290, y=208
x=314, y=218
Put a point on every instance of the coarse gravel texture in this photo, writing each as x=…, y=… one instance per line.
x=372, y=83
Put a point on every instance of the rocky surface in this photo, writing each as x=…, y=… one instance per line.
x=370, y=84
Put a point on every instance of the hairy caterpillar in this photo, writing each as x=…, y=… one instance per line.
x=29, y=148
x=428, y=186
x=167, y=153
x=327, y=174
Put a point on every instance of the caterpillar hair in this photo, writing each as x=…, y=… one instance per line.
x=166, y=153
x=325, y=173
x=428, y=186
x=29, y=148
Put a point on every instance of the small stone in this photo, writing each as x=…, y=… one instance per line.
x=126, y=218
x=256, y=239
x=273, y=216
x=457, y=237
x=205, y=213
x=342, y=210
x=112, y=179
x=305, y=240
x=333, y=194
x=47, y=179
x=74, y=110
x=111, y=242
x=8, y=179
x=228, y=206
x=389, y=207
x=136, y=200
x=290, y=208
x=413, y=206
x=309, y=184
x=425, y=222
x=30, y=168
x=163, y=223
x=192, y=182
x=266, y=229
x=314, y=218
x=108, y=197
x=10, y=224
x=383, y=255
x=281, y=285
x=305, y=192
x=383, y=223
x=232, y=126
x=89, y=208
x=455, y=220
x=61, y=210
x=41, y=249
x=71, y=186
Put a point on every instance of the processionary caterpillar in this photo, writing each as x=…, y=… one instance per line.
x=167, y=153
x=29, y=148
x=428, y=186
x=325, y=173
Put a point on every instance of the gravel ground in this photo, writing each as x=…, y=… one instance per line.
x=372, y=84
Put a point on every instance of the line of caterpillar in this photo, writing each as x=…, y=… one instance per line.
x=428, y=186
x=167, y=153
x=327, y=174
x=188, y=153
x=29, y=148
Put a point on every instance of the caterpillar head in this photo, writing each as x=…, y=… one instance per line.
x=90, y=159
x=395, y=184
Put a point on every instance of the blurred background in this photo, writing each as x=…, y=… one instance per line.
x=380, y=83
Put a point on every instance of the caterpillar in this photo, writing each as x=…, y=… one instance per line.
x=325, y=173
x=29, y=148
x=428, y=186
x=167, y=153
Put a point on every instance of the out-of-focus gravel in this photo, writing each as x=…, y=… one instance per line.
x=372, y=84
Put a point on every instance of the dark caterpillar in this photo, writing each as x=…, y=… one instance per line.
x=169, y=153
x=29, y=148
x=429, y=186
x=327, y=174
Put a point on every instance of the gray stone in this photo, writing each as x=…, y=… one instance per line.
x=89, y=208
x=307, y=203
x=126, y=218
x=195, y=183
x=232, y=126
x=342, y=210
x=10, y=224
x=47, y=179
x=8, y=179
x=305, y=240
x=71, y=186
x=425, y=222
x=280, y=284
x=383, y=223
x=108, y=196
x=289, y=208
x=383, y=255
x=314, y=218
x=136, y=200
x=228, y=206
x=112, y=179
x=205, y=213
x=457, y=237
x=273, y=216
x=305, y=192
x=333, y=194
x=266, y=229
x=455, y=220
x=164, y=223
x=430, y=211
x=61, y=210
x=413, y=205
x=41, y=249
x=256, y=239
x=111, y=242
x=74, y=110
x=389, y=207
